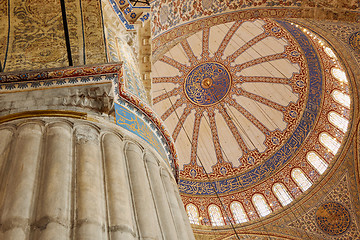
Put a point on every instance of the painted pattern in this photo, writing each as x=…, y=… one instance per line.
x=333, y=218
x=314, y=60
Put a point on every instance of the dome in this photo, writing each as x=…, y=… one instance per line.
x=257, y=109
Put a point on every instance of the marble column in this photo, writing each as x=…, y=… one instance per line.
x=121, y=225
x=65, y=178
x=21, y=181
x=163, y=208
x=174, y=206
x=143, y=200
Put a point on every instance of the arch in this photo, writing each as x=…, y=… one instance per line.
x=317, y=162
x=341, y=98
x=282, y=194
x=338, y=121
x=193, y=213
x=301, y=180
x=329, y=142
x=261, y=205
x=238, y=212
x=339, y=74
x=216, y=217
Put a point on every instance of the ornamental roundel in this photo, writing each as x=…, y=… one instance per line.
x=207, y=84
x=333, y=218
x=354, y=41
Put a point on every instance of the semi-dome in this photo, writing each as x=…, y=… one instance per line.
x=257, y=109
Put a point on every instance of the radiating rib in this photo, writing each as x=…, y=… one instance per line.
x=180, y=123
x=173, y=107
x=205, y=43
x=246, y=46
x=234, y=130
x=176, y=79
x=189, y=53
x=173, y=63
x=195, y=136
x=249, y=116
x=259, y=60
x=215, y=137
x=165, y=95
x=267, y=102
x=227, y=38
x=244, y=79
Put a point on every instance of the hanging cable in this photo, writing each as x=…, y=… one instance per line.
x=66, y=32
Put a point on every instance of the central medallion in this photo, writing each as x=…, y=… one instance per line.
x=207, y=84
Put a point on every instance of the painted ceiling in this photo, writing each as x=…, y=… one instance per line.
x=246, y=103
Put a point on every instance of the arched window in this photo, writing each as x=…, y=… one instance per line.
x=261, y=206
x=339, y=75
x=193, y=213
x=317, y=162
x=338, y=121
x=215, y=215
x=341, y=98
x=329, y=142
x=282, y=194
x=301, y=180
x=330, y=52
x=238, y=212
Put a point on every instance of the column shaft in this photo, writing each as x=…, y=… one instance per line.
x=18, y=204
x=90, y=200
x=174, y=206
x=185, y=217
x=118, y=191
x=54, y=203
x=144, y=204
x=163, y=209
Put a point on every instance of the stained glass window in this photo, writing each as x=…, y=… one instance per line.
x=238, y=212
x=215, y=216
x=301, y=180
x=282, y=194
x=193, y=214
x=261, y=206
x=338, y=121
x=329, y=52
x=317, y=162
x=339, y=74
x=341, y=98
x=329, y=142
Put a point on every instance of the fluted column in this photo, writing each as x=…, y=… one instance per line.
x=163, y=209
x=121, y=225
x=174, y=206
x=21, y=179
x=90, y=195
x=143, y=200
x=185, y=217
x=53, y=219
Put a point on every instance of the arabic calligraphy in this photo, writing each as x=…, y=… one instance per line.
x=207, y=84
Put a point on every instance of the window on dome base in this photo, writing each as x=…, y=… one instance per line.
x=238, y=212
x=261, y=206
x=338, y=121
x=301, y=180
x=317, y=162
x=329, y=142
x=193, y=214
x=341, y=98
x=215, y=216
x=339, y=75
x=282, y=194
